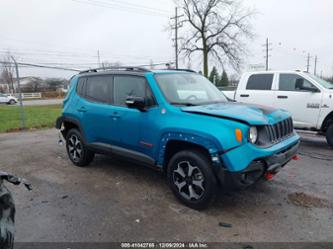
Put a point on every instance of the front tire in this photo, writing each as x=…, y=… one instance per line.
x=77, y=151
x=329, y=135
x=191, y=179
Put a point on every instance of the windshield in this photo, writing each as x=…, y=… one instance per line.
x=322, y=82
x=188, y=89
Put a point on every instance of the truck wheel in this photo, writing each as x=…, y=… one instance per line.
x=77, y=151
x=12, y=102
x=329, y=135
x=191, y=179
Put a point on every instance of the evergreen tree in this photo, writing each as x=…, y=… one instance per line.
x=214, y=76
x=224, y=79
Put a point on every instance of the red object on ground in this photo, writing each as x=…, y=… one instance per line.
x=296, y=157
x=268, y=176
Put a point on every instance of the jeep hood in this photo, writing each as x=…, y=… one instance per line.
x=244, y=113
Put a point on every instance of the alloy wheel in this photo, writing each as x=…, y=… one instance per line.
x=189, y=181
x=75, y=148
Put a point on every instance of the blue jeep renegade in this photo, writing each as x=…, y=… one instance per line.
x=179, y=122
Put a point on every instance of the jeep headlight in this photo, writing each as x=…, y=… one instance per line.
x=253, y=135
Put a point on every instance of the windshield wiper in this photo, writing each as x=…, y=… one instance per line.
x=182, y=103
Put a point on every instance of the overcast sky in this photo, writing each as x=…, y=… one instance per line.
x=70, y=32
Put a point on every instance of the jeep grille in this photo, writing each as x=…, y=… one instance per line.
x=280, y=130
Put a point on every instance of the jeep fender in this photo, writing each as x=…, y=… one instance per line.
x=208, y=143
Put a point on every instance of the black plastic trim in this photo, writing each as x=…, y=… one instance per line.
x=122, y=152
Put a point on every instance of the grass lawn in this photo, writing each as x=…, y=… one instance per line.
x=36, y=117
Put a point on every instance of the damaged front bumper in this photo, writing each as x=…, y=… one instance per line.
x=264, y=167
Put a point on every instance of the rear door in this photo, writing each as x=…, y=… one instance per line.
x=257, y=89
x=294, y=94
x=96, y=109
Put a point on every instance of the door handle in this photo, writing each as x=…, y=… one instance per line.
x=245, y=95
x=282, y=97
x=82, y=109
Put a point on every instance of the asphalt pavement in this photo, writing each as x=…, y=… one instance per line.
x=113, y=200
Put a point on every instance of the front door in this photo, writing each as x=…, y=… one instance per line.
x=300, y=97
x=127, y=121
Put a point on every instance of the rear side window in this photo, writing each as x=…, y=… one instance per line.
x=260, y=82
x=80, y=86
x=293, y=82
x=98, y=89
x=125, y=86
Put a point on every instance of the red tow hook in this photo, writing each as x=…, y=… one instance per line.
x=296, y=157
x=268, y=176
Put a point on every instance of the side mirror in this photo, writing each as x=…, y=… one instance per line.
x=136, y=103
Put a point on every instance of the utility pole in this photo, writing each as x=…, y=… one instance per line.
x=267, y=55
x=98, y=59
x=315, y=66
x=308, y=63
x=22, y=114
x=176, y=27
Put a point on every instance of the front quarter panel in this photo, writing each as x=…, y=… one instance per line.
x=214, y=134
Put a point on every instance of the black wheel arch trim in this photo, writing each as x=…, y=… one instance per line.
x=327, y=121
x=60, y=120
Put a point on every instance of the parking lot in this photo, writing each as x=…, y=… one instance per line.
x=112, y=200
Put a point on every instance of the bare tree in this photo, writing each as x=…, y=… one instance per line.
x=7, y=72
x=216, y=28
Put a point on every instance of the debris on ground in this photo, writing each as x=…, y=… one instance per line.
x=308, y=201
x=227, y=225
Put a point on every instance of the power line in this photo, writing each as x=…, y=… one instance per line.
x=131, y=5
x=142, y=10
x=71, y=54
x=40, y=66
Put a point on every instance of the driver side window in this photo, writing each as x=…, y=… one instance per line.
x=124, y=86
x=294, y=82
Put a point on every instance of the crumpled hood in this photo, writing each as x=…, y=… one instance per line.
x=245, y=113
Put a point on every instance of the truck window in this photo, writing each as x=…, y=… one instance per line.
x=293, y=82
x=260, y=82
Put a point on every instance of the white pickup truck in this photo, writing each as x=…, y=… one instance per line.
x=308, y=98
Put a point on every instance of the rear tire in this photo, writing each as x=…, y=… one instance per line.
x=12, y=102
x=191, y=179
x=329, y=135
x=77, y=151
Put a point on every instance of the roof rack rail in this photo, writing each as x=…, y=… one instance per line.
x=124, y=68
